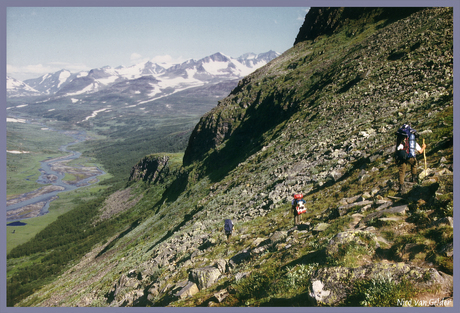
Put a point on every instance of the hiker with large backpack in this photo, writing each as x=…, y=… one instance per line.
x=228, y=228
x=298, y=207
x=406, y=153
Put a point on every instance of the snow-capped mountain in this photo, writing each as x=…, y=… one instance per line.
x=149, y=79
x=49, y=84
x=17, y=88
x=252, y=60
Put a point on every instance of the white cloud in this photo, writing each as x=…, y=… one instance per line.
x=37, y=70
x=167, y=59
x=135, y=56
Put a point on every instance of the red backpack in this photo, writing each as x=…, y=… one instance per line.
x=300, y=204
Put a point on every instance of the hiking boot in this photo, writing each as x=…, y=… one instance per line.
x=401, y=189
x=415, y=179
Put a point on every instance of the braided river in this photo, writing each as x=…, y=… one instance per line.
x=53, y=173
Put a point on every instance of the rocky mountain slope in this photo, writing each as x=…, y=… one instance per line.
x=319, y=120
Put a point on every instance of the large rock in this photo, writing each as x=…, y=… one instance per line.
x=278, y=236
x=365, y=239
x=221, y=264
x=239, y=258
x=187, y=291
x=321, y=227
x=204, y=277
x=318, y=294
x=378, y=214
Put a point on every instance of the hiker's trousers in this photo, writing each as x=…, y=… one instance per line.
x=296, y=216
x=412, y=162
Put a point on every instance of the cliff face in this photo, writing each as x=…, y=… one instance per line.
x=318, y=120
x=150, y=169
x=327, y=21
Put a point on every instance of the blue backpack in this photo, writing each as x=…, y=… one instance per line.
x=228, y=226
x=405, y=131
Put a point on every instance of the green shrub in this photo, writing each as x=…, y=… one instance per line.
x=255, y=286
x=299, y=276
x=380, y=291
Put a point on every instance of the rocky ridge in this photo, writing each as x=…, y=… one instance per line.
x=319, y=120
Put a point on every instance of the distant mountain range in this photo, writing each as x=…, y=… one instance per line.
x=148, y=81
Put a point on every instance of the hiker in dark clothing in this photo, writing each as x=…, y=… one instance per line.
x=406, y=149
x=228, y=228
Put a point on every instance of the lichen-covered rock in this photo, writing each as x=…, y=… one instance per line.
x=318, y=294
x=365, y=239
x=204, y=277
x=321, y=227
x=187, y=291
x=221, y=264
x=278, y=236
x=239, y=257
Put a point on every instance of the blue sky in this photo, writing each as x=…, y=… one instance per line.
x=43, y=40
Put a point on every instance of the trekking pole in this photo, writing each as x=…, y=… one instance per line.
x=424, y=155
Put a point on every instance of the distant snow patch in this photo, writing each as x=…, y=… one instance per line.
x=15, y=120
x=94, y=114
x=16, y=151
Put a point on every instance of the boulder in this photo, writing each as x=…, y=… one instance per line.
x=188, y=290
x=321, y=227
x=362, y=238
x=278, y=236
x=397, y=209
x=221, y=264
x=378, y=214
x=317, y=292
x=221, y=295
x=239, y=257
x=444, y=221
x=204, y=277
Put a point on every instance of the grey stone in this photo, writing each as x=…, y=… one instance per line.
x=221, y=264
x=240, y=257
x=239, y=276
x=278, y=236
x=221, y=295
x=188, y=290
x=397, y=209
x=204, y=277
x=318, y=294
x=321, y=227
x=363, y=238
x=444, y=221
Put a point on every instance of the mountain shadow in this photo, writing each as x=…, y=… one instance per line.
x=246, y=139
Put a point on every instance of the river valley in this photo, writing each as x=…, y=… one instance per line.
x=58, y=176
